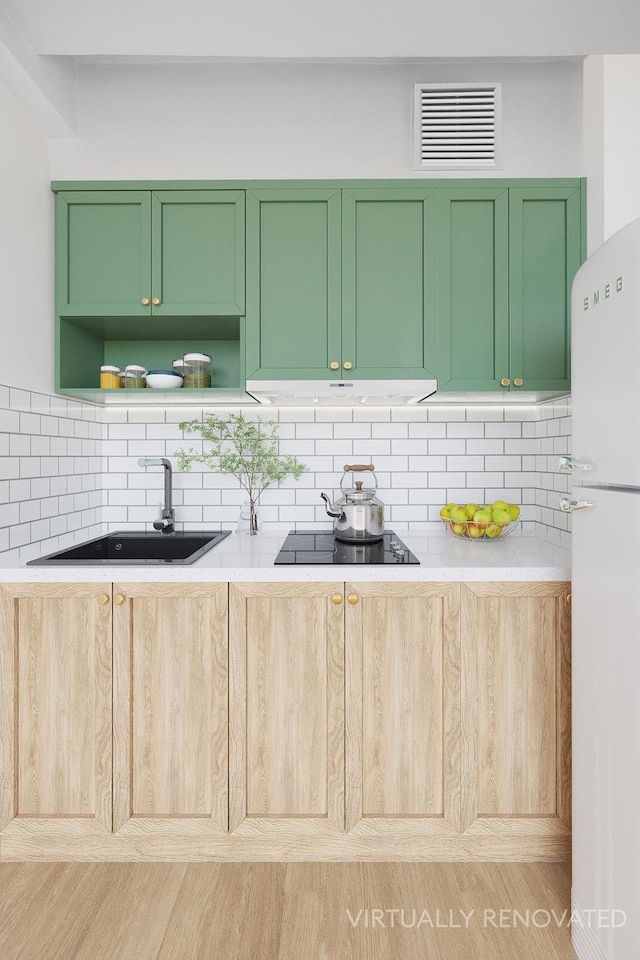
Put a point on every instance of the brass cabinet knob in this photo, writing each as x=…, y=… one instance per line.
x=334, y=365
x=352, y=598
x=518, y=382
x=103, y=598
x=336, y=598
x=145, y=301
x=347, y=365
x=156, y=301
x=568, y=598
x=505, y=382
x=119, y=599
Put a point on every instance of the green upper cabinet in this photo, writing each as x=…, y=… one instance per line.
x=138, y=253
x=506, y=261
x=103, y=253
x=293, y=283
x=473, y=288
x=389, y=260
x=197, y=253
x=545, y=251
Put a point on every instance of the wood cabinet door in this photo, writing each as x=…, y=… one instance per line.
x=516, y=776
x=170, y=711
x=55, y=711
x=103, y=253
x=198, y=253
x=389, y=282
x=286, y=696
x=545, y=251
x=473, y=288
x=402, y=723
x=293, y=283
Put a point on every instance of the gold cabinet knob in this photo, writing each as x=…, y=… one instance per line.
x=334, y=365
x=518, y=382
x=103, y=598
x=352, y=598
x=145, y=301
x=347, y=365
x=156, y=301
x=336, y=598
x=505, y=382
x=119, y=599
x=568, y=598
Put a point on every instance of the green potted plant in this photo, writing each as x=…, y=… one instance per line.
x=246, y=449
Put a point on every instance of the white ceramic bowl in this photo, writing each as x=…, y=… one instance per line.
x=163, y=380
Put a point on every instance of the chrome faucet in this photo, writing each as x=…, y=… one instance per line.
x=166, y=520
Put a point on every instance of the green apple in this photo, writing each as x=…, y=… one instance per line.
x=459, y=529
x=451, y=505
x=514, y=510
x=471, y=509
x=459, y=514
x=482, y=516
x=499, y=505
x=444, y=513
x=475, y=530
x=494, y=530
x=501, y=516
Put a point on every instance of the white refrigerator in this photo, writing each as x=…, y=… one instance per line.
x=605, y=503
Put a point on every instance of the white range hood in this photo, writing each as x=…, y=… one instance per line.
x=341, y=392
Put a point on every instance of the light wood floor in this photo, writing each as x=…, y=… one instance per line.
x=275, y=911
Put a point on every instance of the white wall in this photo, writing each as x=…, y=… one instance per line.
x=611, y=144
x=621, y=141
x=295, y=120
x=26, y=251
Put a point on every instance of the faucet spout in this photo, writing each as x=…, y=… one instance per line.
x=165, y=522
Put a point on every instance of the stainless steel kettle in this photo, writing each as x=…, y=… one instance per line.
x=358, y=514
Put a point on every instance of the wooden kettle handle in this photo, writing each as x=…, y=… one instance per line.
x=358, y=467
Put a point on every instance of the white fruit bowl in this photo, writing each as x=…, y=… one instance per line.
x=469, y=530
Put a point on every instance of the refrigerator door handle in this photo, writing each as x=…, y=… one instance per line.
x=570, y=506
x=569, y=463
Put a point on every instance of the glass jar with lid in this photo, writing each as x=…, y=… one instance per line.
x=134, y=377
x=179, y=366
x=109, y=377
x=197, y=370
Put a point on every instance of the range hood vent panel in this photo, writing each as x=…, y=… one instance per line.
x=341, y=392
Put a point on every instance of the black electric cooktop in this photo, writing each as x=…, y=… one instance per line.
x=311, y=546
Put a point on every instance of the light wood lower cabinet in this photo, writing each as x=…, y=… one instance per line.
x=170, y=708
x=279, y=721
x=55, y=713
x=515, y=708
x=286, y=713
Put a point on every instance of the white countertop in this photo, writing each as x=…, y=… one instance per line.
x=243, y=558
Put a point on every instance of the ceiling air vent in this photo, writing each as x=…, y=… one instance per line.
x=457, y=126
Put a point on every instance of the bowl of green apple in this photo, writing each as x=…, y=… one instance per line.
x=481, y=522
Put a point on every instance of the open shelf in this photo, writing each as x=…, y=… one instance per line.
x=84, y=344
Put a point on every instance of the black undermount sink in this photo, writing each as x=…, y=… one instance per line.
x=137, y=547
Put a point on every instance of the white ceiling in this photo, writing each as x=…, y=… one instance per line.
x=328, y=28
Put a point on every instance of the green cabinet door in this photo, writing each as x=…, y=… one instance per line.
x=545, y=251
x=198, y=253
x=293, y=283
x=389, y=282
x=103, y=249
x=473, y=288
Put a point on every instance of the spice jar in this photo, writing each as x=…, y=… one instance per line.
x=134, y=377
x=197, y=370
x=179, y=366
x=109, y=377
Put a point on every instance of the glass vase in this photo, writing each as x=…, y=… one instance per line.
x=249, y=521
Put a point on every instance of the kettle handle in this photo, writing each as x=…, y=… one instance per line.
x=358, y=467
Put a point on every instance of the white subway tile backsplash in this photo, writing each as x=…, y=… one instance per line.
x=503, y=430
x=67, y=468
